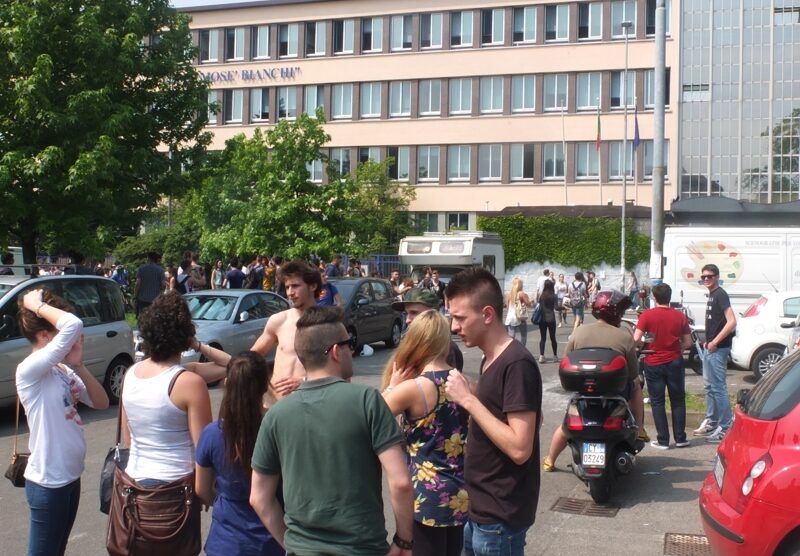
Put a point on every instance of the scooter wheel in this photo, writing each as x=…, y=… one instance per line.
x=600, y=489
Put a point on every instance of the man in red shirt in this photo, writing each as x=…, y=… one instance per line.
x=664, y=368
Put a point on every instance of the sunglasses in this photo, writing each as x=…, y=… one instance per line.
x=708, y=276
x=349, y=342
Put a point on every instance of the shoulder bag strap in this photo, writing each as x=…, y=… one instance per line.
x=172, y=382
x=16, y=429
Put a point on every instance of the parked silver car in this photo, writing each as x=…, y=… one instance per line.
x=230, y=320
x=108, y=340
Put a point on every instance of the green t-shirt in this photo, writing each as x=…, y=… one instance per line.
x=324, y=441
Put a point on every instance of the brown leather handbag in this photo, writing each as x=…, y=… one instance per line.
x=157, y=521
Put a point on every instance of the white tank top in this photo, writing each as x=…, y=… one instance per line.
x=161, y=446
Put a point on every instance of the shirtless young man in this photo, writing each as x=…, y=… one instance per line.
x=302, y=282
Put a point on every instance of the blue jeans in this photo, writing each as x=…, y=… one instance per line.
x=671, y=376
x=493, y=539
x=522, y=329
x=718, y=406
x=53, y=512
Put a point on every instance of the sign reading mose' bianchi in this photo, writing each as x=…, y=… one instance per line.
x=260, y=75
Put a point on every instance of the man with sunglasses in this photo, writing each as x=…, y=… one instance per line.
x=328, y=442
x=720, y=328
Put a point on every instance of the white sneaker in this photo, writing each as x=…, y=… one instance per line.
x=541, y=359
x=684, y=444
x=560, y=324
x=655, y=444
x=716, y=436
x=704, y=429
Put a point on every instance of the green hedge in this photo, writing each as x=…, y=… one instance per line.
x=570, y=241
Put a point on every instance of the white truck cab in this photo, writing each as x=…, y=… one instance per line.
x=450, y=253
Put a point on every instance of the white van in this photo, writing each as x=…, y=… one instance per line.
x=452, y=253
x=17, y=266
x=752, y=262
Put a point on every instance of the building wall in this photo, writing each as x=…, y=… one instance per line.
x=487, y=159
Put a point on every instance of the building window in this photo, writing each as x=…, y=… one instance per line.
x=525, y=24
x=616, y=160
x=492, y=26
x=232, y=103
x=425, y=221
x=590, y=20
x=458, y=221
x=313, y=97
x=212, y=108
x=522, y=93
x=522, y=161
x=648, y=158
x=400, y=99
x=399, y=168
x=370, y=100
x=314, y=171
x=555, y=91
x=490, y=162
x=461, y=29
x=556, y=22
x=234, y=43
x=372, y=34
x=553, y=155
x=341, y=160
x=430, y=30
x=460, y=94
x=430, y=97
x=259, y=105
x=650, y=24
x=587, y=161
x=287, y=103
x=588, y=85
x=458, y=162
x=287, y=40
x=401, y=32
x=428, y=164
x=616, y=92
x=343, y=36
x=623, y=10
x=259, y=42
x=315, y=38
x=366, y=154
x=209, y=45
x=343, y=101
x=491, y=95
x=650, y=91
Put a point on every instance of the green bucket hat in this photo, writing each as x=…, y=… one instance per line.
x=417, y=295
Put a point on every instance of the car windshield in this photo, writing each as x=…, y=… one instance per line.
x=778, y=392
x=211, y=307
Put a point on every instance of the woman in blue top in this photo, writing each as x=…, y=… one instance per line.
x=436, y=432
x=223, y=462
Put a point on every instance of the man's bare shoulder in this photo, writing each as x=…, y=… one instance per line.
x=278, y=320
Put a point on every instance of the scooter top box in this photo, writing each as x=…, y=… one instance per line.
x=597, y=371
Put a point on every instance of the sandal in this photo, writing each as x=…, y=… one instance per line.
x=547, y=465
x=643, y=436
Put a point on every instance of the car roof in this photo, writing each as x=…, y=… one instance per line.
x=783, y=294
x=226, y=292
x=12, y=279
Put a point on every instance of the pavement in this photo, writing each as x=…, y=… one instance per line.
x=659, y=497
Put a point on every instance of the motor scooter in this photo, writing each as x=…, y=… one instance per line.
x=600, y=429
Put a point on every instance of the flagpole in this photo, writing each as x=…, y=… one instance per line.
x=597, y=143
x=564, y=153
x=636, y=141
x=625, y=26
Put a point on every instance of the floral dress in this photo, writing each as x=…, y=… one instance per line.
x=435, y=444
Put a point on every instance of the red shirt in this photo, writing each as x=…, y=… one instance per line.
x=666, y=325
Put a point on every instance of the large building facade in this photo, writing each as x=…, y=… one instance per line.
x=483, y=104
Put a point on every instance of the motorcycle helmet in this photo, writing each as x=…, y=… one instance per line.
x=610, y=305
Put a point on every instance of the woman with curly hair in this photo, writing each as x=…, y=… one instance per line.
x=436, y=431
x=50, y=383
x=164, y=409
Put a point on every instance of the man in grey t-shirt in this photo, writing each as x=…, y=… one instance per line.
x=149, y=282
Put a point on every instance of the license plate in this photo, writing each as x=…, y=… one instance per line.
x=594, y=454
x=719, y=472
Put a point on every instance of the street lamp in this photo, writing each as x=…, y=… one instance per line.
x=626, y=25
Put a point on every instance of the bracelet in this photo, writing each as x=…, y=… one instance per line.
x=402, y=543
x=39, y=308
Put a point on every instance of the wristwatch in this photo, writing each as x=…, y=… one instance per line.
x=402, y=543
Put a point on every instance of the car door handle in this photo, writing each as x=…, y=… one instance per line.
x=111, y=333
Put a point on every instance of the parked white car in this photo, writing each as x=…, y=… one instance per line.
x=760, y=340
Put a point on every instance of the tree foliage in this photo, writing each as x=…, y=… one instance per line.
x=580, y=242
x=89, y=91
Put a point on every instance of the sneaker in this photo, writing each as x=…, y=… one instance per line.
x=560, y=324
x=684, y=444
x=716, y=436
x=542, y=359
x=704, y=429
x=658, y=446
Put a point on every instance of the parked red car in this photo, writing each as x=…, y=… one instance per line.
x=749, y=501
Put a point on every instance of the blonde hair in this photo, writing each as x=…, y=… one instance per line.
x=427, y=338
x=516, y=287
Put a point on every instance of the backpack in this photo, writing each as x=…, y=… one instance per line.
x=180, y=285
x=576, y=295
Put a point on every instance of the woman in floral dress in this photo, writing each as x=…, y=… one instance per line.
x=435, y=430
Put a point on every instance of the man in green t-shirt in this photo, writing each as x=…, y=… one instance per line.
x=328, y=441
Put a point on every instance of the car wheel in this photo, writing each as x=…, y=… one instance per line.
x=765, y=359
x=394, y=337
x=114, y=375
x=695, y=362
x=204, y=359
x=359, y=345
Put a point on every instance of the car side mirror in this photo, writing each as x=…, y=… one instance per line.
x=244, y=316
x=788, y=324
x=361, y=301
x=741, y=396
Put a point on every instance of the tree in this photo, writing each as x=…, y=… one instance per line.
x=92, y=93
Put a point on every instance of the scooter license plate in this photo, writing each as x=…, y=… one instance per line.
x=594, y=454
